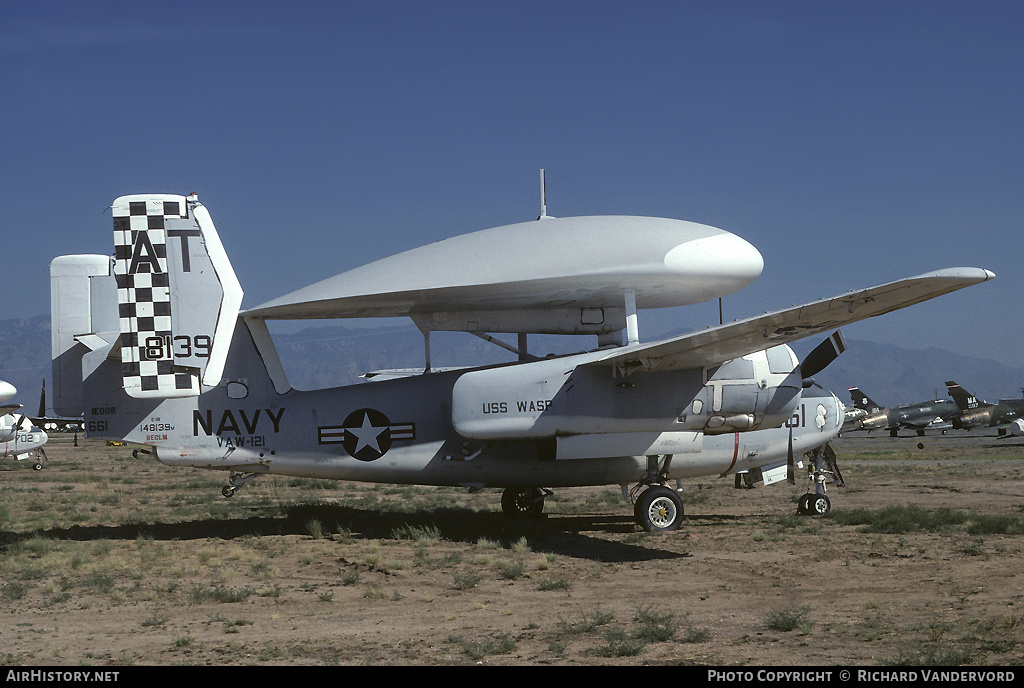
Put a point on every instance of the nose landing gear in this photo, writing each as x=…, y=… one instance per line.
x=822, y=464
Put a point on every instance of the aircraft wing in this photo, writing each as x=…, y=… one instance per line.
x=719, y=344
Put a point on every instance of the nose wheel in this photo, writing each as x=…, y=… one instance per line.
x=821, y=466
x=814, y=505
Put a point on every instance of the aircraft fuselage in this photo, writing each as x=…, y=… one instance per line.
x=405, y=430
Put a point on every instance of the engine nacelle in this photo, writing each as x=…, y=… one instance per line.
x=11, y=426
x=973, y=419
x=556, y=398
x=874, y=421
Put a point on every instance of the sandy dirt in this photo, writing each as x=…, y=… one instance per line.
x=110, y=560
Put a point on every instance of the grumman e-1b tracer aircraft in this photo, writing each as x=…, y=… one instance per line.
x=153, y=348
x=19, y=437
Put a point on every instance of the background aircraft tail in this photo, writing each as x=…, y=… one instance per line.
x=165, y=306
x=964, y=400
x=861, y=400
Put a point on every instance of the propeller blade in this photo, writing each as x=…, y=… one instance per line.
x=823, y=354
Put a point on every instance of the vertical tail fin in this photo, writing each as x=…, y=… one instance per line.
x=964, y=400
x=165, y=305
x=861, y=400
x=177, y=295
x=83, y=318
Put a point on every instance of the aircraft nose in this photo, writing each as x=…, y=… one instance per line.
x=840, y=414
x=727, y=262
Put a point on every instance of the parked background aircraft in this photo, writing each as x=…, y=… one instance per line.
x=917, y=417
x=19, y=438
x=974, y=413
x=153, y=347
x=51, y=424
x=852, y=418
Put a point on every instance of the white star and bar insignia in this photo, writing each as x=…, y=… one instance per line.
x=366, y=434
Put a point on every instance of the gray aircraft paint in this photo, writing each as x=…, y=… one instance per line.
x=724, y=399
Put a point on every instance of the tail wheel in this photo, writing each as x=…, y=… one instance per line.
x=659, y=509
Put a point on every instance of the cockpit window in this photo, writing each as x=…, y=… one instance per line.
x=780, y=360
x=736, y=369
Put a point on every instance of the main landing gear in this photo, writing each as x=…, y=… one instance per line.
x=656, y=508
x=822, y=464
x=523, y=502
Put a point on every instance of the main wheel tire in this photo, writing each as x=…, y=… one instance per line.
x=803, y=506
x=659, y=509
x=522, y=502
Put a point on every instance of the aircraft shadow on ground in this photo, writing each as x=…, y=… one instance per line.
x=563, y=535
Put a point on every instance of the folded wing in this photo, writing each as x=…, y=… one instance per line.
x=719, y=344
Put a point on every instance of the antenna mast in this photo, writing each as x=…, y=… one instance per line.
x=543, y=197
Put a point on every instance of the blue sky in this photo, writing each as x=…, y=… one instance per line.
x=852, y=142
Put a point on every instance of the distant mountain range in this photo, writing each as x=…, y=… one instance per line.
x=893, y=376
x=332, y=355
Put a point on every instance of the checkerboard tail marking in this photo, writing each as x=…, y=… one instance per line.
x=144, y=299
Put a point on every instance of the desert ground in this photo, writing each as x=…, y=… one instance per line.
x=108, y=560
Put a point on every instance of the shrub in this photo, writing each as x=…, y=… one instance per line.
x=786, y=620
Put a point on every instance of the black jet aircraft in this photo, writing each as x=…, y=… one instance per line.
x=917, y=417
x=974, y=414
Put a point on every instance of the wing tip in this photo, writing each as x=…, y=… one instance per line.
x=970, y=275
